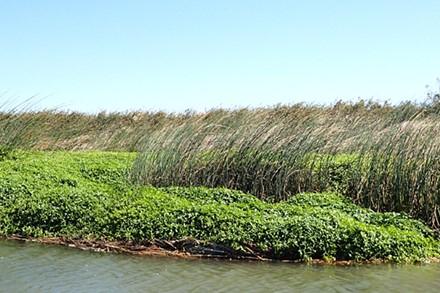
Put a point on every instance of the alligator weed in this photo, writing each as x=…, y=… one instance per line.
x=88, y=195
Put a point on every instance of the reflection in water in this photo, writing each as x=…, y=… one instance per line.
x=42, y=268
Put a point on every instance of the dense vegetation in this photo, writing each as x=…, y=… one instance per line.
x=381, y=156
x=384, y=158
x=87, y=195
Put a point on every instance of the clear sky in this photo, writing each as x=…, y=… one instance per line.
x=174, y=55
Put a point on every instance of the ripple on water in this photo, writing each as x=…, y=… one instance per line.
x=36, y=267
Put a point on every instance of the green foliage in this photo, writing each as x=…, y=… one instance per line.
x=209, y=195
x=86, y=195
x=333, y=172
x=3, y=152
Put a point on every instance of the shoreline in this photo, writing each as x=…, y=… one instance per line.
x=147, y=248
x=164, y=248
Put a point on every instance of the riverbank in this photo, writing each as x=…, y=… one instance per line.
x=86, y=197
x=176, y=249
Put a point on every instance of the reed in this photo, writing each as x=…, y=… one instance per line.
x=383, y=157
x=21, y=127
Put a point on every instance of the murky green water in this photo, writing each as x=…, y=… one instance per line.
x=34, y=267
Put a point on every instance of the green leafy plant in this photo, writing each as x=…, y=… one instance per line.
x=86, y=195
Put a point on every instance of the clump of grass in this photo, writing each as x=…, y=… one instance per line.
x=381, y=156
x=86, y=195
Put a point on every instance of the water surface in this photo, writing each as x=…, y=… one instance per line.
x=35, y=267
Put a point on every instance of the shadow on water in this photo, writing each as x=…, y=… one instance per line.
x=37, y=267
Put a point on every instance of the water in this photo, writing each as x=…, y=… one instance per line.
x=35, y=267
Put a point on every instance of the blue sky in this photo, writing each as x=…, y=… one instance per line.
x=174, y=55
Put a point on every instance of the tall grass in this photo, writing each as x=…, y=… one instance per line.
x=383, y=157
x=22, y=127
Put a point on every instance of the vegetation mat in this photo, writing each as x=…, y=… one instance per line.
x=88, y=197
